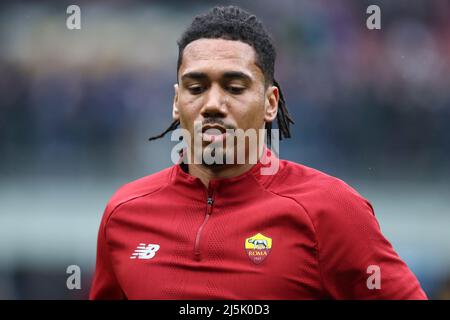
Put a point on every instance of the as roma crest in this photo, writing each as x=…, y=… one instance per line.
x=258, y=247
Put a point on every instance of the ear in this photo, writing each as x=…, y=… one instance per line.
x=271, y=103
x=175, y=113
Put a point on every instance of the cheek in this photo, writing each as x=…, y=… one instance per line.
x=252, y=115
x=189, y=109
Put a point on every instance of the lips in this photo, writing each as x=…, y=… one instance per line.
x=210, y=135
x=217, y=127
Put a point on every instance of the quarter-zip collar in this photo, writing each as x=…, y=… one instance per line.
x=254, y=173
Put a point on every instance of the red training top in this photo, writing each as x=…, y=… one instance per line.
x=296, y=234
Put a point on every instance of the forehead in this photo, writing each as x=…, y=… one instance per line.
x=219, y=55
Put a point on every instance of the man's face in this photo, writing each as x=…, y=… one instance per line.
x=221, y=86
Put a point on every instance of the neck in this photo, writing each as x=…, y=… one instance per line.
x=206, y=173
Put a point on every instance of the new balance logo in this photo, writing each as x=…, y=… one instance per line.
x=144, y=251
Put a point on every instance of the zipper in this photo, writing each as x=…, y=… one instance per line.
x=209, y=205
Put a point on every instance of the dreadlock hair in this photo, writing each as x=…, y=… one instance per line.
x=234, y=23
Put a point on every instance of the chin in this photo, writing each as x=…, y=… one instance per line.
x=212, y=153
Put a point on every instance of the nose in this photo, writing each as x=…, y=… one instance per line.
x=215, y=104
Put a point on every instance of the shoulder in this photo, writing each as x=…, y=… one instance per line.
x=296, y=178
x=317, y=192
x=139, y=188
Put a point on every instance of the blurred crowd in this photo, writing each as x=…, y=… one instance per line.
x=358, y=96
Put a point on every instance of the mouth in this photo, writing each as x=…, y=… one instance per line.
x=212, y=133
x=216, y=127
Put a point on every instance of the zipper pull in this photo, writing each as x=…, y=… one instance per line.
x=199, y=231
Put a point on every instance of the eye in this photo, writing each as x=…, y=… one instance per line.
x=197, y=89
x=236, y=89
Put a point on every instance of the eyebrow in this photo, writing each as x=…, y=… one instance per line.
x=228, y=75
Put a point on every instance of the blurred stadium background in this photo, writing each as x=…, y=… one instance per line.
x=77, y=107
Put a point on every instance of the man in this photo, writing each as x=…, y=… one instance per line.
x=229, y=230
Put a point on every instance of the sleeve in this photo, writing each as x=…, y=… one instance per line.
x=104, y=285
x=356, y=260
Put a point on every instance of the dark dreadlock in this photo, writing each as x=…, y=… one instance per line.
x=234, y=23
